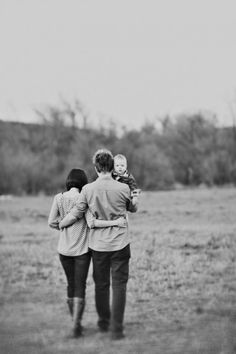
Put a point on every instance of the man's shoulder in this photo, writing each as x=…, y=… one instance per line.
x=89, y=186
x=120, y=186
x=110, y=183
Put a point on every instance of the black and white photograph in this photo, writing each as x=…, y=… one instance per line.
x=117, y=177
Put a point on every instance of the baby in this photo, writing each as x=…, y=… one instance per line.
x=121, y=174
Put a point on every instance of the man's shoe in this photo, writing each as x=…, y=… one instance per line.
x=103, y=328
x=117, y=335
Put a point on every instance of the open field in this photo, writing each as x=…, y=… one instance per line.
x=181, y=292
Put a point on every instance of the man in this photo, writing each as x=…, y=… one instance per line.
x=107, y=199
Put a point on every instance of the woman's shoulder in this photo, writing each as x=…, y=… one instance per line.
x=69, y=195
x=58, y=195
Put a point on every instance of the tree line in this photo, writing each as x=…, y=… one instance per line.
x=187, y=151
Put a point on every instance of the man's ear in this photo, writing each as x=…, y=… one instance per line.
x=96, y=170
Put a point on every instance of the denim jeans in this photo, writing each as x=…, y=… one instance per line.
x=76, y=270
x=114, y=264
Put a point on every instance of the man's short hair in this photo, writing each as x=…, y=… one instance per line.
x=103, y=160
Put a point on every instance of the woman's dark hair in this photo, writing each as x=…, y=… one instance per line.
x=103, y=160
x=76, y=178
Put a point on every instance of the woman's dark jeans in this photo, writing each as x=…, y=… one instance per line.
x=76, y=270
x=115, y=263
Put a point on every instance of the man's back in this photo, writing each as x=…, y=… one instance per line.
x=107, y=199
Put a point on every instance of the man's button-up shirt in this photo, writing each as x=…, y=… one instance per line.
x=107, y=199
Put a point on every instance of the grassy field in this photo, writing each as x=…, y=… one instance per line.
x=182, y=288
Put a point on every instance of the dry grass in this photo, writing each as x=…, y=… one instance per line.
x=181, y=292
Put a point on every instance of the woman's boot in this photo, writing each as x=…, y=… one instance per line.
x=79, y=304
x=70, y=303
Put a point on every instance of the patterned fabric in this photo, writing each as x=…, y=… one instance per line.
x=127, y=178
x=106, y=199
x=73, y=240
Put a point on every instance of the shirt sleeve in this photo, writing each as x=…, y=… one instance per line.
x=129, y=206
x=54, y=215
x=132, y=182
x=90, y=219
x=80, y=207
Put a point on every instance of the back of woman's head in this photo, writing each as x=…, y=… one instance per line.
x=76, y=178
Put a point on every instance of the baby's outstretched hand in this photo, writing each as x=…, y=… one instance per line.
x=135, y=193
x=134, y=196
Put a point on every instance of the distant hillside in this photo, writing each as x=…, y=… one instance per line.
x=37, y=157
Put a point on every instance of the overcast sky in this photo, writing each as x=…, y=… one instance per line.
x=126, y=59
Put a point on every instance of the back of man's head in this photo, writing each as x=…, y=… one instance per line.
x=103, y=161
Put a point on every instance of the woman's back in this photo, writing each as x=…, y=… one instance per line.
x=73, y=241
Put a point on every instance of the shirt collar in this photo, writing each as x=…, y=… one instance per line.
x=104, y=177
